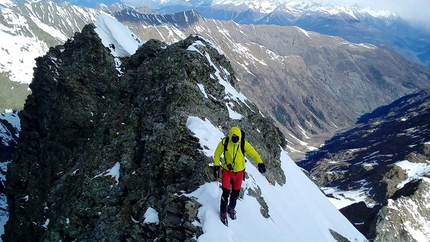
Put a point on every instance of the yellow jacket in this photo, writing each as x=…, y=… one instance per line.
x=233, y=155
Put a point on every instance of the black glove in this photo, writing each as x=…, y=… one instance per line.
x=261, y=168
x=216, y=172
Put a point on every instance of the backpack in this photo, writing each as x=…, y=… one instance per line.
x=242, y=142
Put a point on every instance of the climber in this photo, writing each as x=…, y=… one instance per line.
x=233, y=149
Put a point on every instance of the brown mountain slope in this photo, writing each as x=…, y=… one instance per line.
x=311, y=84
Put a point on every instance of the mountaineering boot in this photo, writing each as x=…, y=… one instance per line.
x=223, y=217
x=231, y=213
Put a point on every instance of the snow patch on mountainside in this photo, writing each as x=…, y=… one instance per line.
x=413, y=170
x=264, y=6
x=17, y=51
x=26, y=28
x=121, y=41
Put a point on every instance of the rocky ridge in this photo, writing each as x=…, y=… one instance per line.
x=84, y=121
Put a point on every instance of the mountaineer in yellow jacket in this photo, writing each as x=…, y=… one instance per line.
x=233, y=169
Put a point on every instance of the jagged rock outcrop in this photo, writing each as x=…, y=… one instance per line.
x=98, y=148
x=405, y=216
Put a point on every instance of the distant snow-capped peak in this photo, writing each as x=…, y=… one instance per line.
x=264, y=6
x=332, y=9
x=269, y=6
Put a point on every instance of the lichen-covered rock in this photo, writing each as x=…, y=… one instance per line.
x=98, y=148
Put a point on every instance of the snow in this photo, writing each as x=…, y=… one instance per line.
x=151, y=216
x=113, y=172
x=19, y=48
x=12, y=117
x=113, y=32
x=202, y=89
x=207, y=133
x=343, y=199
x=230, y=91
x=413, y=170
x=45, y=225
x=303, y=31
x=298, y=210
x=56, y=33
x=220, y=52
x=233, y=114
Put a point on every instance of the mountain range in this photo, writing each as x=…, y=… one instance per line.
x=310, y=77
x=123, y=152
x=311, y=85
x=350, y=22
x=263, y=65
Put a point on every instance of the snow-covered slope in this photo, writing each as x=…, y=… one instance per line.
x=28, y=29
x=298, y=210
x=116, y=36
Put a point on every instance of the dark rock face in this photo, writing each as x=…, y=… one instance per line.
x=84, y=121
x=362, y=217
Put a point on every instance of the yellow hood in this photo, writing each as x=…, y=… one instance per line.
x=236, y=131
